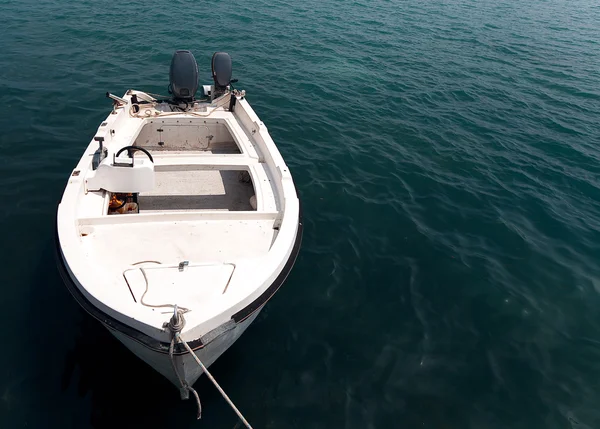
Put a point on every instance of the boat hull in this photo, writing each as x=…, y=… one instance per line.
x=261, y=242
x=187, y=367
x=155, y=353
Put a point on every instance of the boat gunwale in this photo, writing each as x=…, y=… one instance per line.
x=147, y=340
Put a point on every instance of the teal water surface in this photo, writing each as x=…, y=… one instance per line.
x=447, y=155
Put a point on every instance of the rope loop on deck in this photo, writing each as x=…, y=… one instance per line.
x=177, y=321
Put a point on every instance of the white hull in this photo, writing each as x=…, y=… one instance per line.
x=183, y=207
x=186, y=365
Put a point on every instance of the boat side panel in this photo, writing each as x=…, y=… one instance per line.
x=186, y=365
x=149, y=342
x=267, y=272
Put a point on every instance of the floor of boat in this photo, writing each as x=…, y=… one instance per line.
x=121, y=245
x=217, y=148
x=197, y=190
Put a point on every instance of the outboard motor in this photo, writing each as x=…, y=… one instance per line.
x=221, y=73
x=183, y=76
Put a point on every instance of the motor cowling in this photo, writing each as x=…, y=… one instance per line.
x=183, y=76
x=221, y=70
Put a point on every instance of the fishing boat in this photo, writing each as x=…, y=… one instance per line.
x=180, y=221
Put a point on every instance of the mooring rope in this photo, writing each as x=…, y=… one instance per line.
x=209, y=375
x=175, y=325
x=148, y=112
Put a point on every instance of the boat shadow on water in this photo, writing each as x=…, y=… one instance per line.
x=128, y=392
x=112, y=386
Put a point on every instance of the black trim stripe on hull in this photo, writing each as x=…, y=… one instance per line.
x=145, y=339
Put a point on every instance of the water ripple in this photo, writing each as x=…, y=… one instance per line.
x=447, y=155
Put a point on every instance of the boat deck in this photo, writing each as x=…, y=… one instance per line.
x=172, y=242
x=188, y=190
x=215, y=199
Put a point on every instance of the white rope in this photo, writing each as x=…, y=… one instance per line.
x=209, y=375
x=175, y=325
x=214, y=106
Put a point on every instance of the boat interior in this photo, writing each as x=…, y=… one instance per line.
x=207, y=180
x=177, y=188
x=181, y=186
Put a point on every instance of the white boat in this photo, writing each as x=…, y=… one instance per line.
x=179, y=206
